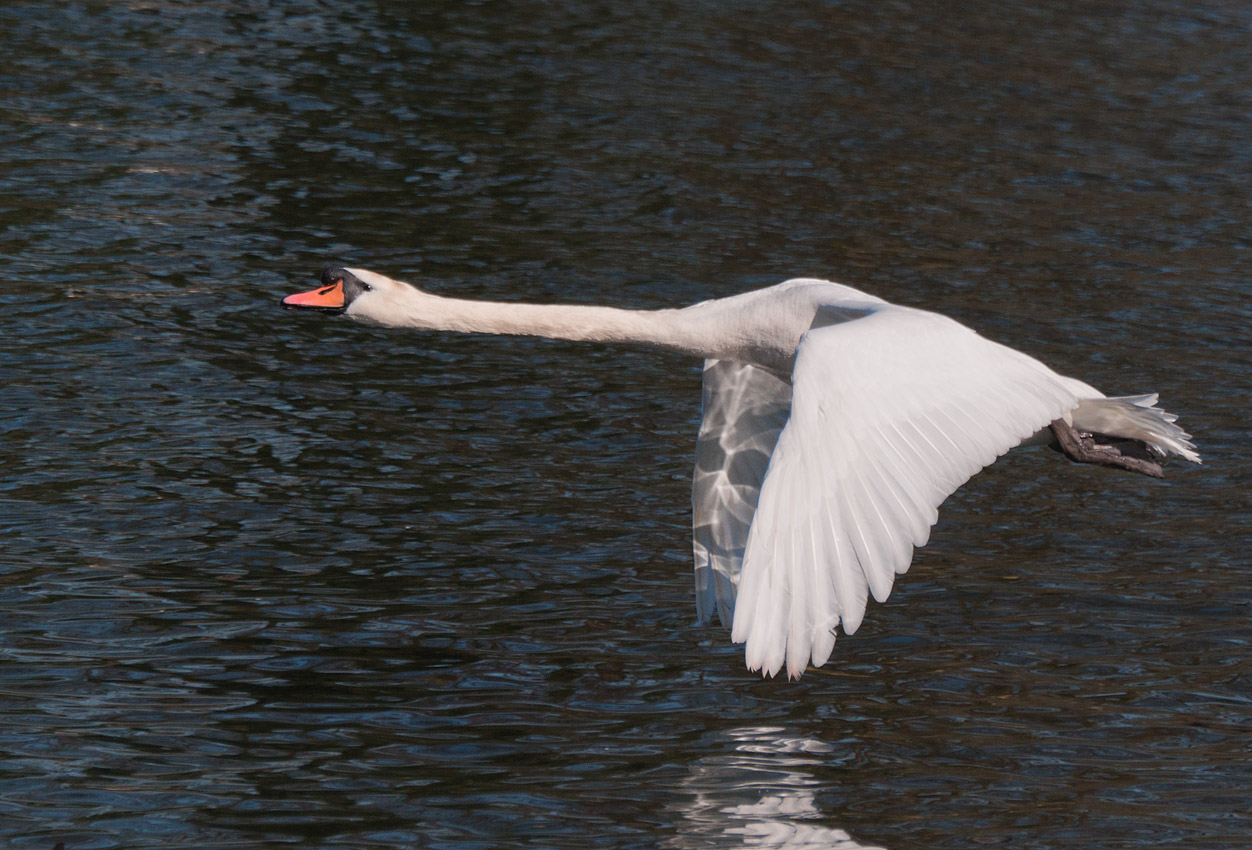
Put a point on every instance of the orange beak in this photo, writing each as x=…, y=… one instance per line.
x=328, y=299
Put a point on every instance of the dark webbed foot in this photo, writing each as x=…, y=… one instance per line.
x=1123, y=454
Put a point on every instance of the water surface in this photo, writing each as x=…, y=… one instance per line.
x=278, y=580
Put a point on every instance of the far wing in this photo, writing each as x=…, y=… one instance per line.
x=744, y=409
x=890, y=414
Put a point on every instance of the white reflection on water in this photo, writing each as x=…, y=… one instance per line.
x=758, y=795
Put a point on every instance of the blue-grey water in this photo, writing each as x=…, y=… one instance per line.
x=278, y=580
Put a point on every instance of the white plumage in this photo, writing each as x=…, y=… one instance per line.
x=889, y=415
x=834, y=426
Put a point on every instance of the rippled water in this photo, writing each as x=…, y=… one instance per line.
x=277, y=580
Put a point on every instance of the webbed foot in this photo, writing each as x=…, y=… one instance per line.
x=1084, y=448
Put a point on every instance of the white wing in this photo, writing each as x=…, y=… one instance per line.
x=890, y=414
x=744, y=409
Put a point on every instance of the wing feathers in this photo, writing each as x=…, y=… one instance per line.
x=744, y=411
x=889, y=415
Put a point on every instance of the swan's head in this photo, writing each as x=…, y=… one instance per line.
x=358, y=293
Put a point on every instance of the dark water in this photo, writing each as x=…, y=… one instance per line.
x=273, y=580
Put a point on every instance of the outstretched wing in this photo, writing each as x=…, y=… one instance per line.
x=745, y=408
x=890, y=414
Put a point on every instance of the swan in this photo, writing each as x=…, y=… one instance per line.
x=834, y=425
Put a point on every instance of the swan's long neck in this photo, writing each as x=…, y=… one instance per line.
x=761, y=328
x=676, y=330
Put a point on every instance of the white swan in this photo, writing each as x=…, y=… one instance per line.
x=834, y=426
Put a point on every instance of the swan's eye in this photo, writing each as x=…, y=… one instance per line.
x=366, y=287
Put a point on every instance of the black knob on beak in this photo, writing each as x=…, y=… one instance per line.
x=333, y=274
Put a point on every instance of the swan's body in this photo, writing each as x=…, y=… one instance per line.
x=835, y=424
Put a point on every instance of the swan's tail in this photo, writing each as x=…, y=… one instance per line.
x=1135, y=417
